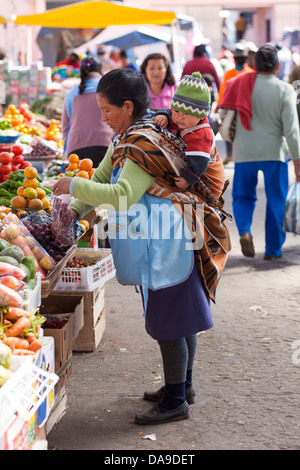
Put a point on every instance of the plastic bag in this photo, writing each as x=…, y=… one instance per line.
x=65, y=228
x=292, y=210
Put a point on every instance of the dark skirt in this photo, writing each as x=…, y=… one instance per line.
x=178, y=311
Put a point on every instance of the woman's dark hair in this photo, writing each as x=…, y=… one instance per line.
x=266, y=58
x=169, y=79
x=87, y=65
x=120, y=85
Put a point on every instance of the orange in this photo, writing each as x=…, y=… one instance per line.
x=20, y=191
x=86, y=164
x=21, y=212
x=30, y=193
x=30, y=172
x=73, y=158
x=83, y=174
x=91, y=172
x=40, y=193
x=46, y=202
x=72, y=166
x=30, y=183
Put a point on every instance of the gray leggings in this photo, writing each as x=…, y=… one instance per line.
x=178, y=357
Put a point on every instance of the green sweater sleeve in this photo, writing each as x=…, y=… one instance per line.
x=98, y=192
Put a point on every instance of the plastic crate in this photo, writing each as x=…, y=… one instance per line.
x=89, y=278
x=27, y=389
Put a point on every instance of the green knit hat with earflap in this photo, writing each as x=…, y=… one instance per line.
x=192, y=96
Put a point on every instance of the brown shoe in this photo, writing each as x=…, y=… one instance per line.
x=247, y=246
x=270, y=258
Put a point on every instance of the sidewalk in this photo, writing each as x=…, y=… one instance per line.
x=246, y=373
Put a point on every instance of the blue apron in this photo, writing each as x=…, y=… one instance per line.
x=151, y=243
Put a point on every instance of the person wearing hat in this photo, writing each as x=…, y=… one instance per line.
x=240, y=55
x=201, y=63
x=190, y=107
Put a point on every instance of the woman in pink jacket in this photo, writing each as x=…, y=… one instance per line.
x=160, y=80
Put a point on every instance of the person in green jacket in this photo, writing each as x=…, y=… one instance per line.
x=144, y=160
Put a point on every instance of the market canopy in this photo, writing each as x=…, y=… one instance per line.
x=95, y=14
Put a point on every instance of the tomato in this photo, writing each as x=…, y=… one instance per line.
x=14, y=167
x=5, y=178
x=17, y=159
x=5, y=168
x=17, y=149
x=5, y=157
x=25, y=165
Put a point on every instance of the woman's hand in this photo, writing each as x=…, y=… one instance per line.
x=297, y=170
x=62, y=186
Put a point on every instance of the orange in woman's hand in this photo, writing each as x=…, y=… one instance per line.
x=86, y=164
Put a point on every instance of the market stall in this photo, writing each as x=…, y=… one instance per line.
x=51, y=296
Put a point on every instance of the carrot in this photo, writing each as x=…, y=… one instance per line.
x=18, y=327
x=14, y=313
x=35, y=345
x=23, y=352
x=16, y=343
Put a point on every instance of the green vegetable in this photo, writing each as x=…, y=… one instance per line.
x=32, y=283
x=5, y=375
x=4, y=244
x=15, y=252
x=5, y=124
x=28, y=261
x=26, y=270
x=8, y=259
x=5, y=355
x=5, y=201
x=6, y=193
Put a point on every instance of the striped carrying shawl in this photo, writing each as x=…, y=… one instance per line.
x=161, y=155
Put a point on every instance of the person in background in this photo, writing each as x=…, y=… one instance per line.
x=140, y=168
x=83, y=129
x=267, y=131
x=201, y=63
x=2, y=54
x=106, y=63
x=73, y=60
x=126, y=62
x=240, y=27
x=240, y=55
x=114, y=58
x=161, y=84
x=251, y=48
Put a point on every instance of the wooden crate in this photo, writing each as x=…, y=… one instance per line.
x=90, y=336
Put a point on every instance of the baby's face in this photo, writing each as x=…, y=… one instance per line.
x=183, y=121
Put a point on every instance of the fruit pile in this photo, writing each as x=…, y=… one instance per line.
x=80, y=263
x=12, y=161
x=40, y=227
x=83, y=168
x=31, y=194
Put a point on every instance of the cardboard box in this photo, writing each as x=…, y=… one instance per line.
x=71, y=307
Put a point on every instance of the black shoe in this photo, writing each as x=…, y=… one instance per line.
x=155, y=416
x=158, y=394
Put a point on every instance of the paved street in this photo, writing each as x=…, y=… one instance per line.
x=246, y=372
